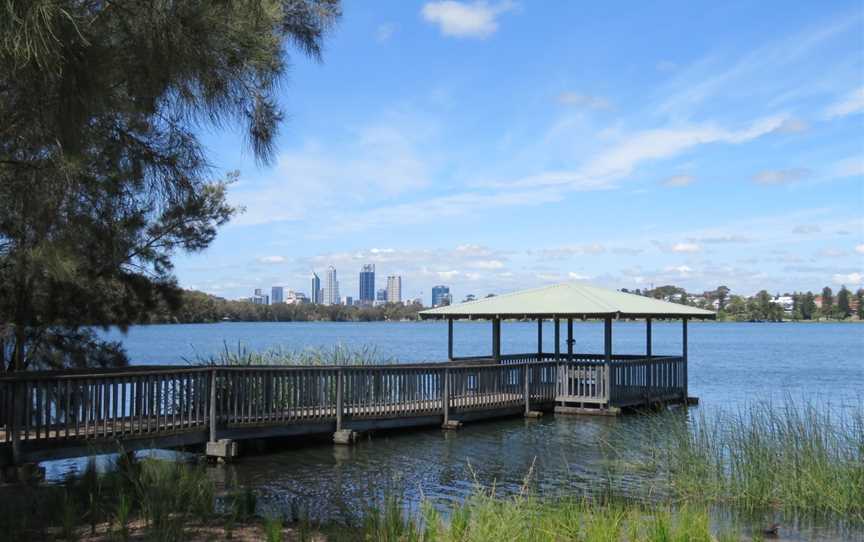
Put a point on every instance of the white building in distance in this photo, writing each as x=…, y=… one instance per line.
x=394, y=289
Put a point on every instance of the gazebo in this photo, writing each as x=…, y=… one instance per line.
x=586, y=382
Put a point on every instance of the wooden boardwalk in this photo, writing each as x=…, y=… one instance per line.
x=72, y=413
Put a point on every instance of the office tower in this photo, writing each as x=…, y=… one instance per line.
x=316, y=289
x=348, y=301
x=381, y=296
x=394, y=289
x=277, y=295
x=440, y=296
x=331, y=287
x=259, y=297
x=367, y=284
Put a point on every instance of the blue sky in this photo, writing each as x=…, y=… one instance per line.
x=493, y=146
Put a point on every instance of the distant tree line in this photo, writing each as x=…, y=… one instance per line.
x=762, y=307
x=199, y=307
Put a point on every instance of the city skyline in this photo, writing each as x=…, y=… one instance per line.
x=733, y=161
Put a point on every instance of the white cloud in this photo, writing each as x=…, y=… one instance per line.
x=792, y=126
x=850, y=167
x=719, y=239
x=850, y=104
x=860, y=248
x=385, y=31
x=622, y=158
x=805, y=229
x=374, y=162
x=465, y=20
x=487, y=264
x=559, y=253
x=683, y=271
x=686, y=247
x=832, y=253
x=577, y=276
x=679, y=181
x=850, y=279
x=272, y=259
x=782, y=176
x=584, y=100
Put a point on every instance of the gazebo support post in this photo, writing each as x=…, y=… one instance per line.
x=649, y=373
x=496, y=340
x=684, y=354
x=569, y=339
x=648, y=337
x=607, y=366
x=557, y=339
x=450, y=339
x=539, y=339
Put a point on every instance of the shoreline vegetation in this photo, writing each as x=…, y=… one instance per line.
x=198, y=307
x=767, y=462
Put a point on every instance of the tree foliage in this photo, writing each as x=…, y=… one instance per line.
x=198, y=307
x=102, y=175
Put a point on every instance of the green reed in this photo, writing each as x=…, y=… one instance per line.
x=795, y=456
x=337, y=355
x=484, y=517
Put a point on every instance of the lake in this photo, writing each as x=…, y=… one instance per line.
x=730, y=364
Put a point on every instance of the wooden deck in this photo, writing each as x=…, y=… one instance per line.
x=72, y=413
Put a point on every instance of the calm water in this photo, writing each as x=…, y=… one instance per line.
x=729, y=362
x=729, y=365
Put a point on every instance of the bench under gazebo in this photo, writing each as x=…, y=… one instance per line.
x=602, y=383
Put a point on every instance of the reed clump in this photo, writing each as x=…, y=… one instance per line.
x=337, y=355
x=484, y=517
x=797, y=457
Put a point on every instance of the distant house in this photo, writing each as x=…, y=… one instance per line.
x=785, y=301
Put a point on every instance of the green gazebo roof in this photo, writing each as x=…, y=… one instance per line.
x=567, y=300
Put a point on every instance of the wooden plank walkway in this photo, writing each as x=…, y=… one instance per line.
x=63, y=414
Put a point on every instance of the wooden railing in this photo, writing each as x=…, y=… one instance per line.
x=150, y=402
x=627, y=380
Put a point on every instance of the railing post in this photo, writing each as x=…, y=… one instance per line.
x=496, y=340
x=19, y=392
x=213, y=415
x=539, y=339
x=607, y=340
x=450, y=339
x=527, y=391
x=445, y=396
x=684, y=354
x=339, y=400
x=649, y=366
x=557, y=339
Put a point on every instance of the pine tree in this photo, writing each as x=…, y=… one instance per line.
x=102, y=176
x=827, y=301
x=843, y=302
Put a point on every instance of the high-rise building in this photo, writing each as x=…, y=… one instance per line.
x=394, y=289
x=316, y=289
x=259, y=297
x=331, y=287
x=440, y=296
x=277, y=295
x=367, y=284
x=381, y=296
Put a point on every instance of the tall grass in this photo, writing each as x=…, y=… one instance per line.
x=484, y=518
x=338, y=355
x=796, y=457
x=164, y=495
